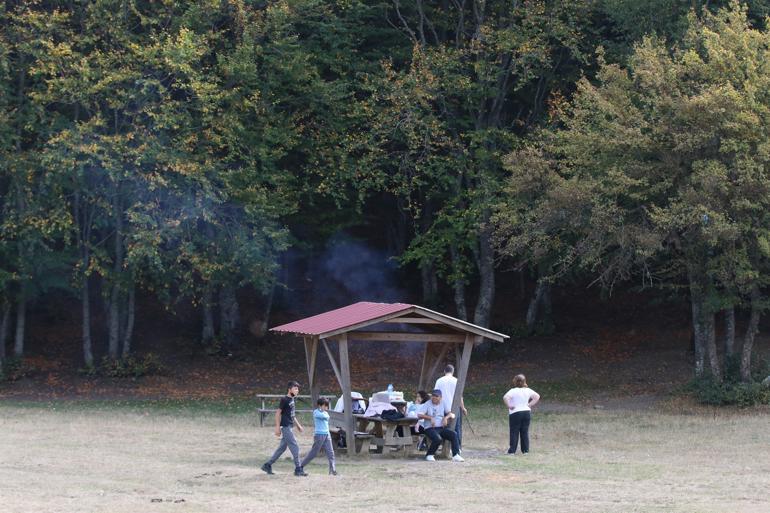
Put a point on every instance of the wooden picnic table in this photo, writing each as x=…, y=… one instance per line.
x=378, y=432
x=385, y=432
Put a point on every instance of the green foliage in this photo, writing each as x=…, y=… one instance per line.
x=14, y=369
x=710, y=391
x=656, y=168
x=179, y=148
x=440, y=123
x=89, y=370
x=131, y=367
x=656, y=171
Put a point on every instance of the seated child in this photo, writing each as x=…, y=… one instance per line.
x=414, y=408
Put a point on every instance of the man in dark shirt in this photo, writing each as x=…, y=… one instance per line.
x=284, y=422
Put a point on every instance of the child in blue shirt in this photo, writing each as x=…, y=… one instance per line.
x=321, y=436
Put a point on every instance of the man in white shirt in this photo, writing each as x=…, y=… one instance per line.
x=448, y=384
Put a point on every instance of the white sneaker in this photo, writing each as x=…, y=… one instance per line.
x=457, y=457
x=430, y=458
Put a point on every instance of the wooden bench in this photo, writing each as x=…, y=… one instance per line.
x=264, y=411
x=361, y=438
x=444, y=447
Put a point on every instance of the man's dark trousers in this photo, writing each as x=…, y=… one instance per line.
x=437, y=434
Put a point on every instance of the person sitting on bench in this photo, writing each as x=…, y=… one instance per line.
x=436, y=416
x=359, y=406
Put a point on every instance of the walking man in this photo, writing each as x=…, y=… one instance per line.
x=284, y=423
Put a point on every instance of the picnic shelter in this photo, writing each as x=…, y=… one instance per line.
x=390, y=323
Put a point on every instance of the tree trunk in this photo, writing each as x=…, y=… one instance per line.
x=284, y=277
x=427, y=269
x=546, y=307
x=208, y=316
x=114, y=322
x=228, y=321
x=748, y=340
x=128, y=332
x=698, y=338
x=429, y=284
x=114, y=315
x=88, y=355
x=21, y=320
x=696, y=302
x=21, y=304
x=534, y=305
x=4, y=331
x=459, y=286
x=460, y=304
x=82, y=215
x=711, y=345
x=261, y=328
x=486, y=266
x=729, y=332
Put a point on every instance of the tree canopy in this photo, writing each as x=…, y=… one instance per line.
x=180, y=149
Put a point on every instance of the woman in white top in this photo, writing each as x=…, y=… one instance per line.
x=519, y=401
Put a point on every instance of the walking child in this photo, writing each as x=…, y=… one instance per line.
x=285, y=421
x=321, y=437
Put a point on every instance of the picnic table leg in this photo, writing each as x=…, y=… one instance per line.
x=377, y=431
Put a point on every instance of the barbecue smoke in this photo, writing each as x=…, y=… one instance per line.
x=360, y=273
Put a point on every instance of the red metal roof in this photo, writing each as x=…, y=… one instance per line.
x=342, y=318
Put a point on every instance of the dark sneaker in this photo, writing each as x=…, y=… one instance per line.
x=300, y=472
x=510, y=452
x=267, y=469
x=332, y=472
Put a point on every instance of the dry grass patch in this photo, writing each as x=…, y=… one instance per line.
x=106, y=459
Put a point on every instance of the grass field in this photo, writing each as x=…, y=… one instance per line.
x=69, y=457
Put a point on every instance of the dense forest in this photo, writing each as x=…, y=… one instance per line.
x=201, y=152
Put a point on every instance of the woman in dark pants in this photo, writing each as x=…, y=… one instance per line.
x=519, y=401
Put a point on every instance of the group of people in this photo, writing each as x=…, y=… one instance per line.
x=433, y=411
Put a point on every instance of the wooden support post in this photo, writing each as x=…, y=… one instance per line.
x=346, y=394
x=311, y=354
x=426, y=362
x=457, y=338
x=333, y=361
x=462, y=373
x=430, y=364
x=434, y=367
